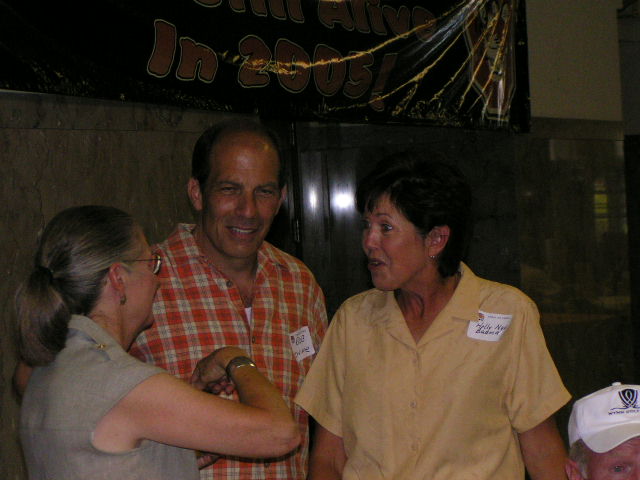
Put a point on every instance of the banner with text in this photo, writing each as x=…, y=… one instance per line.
x=449, y=63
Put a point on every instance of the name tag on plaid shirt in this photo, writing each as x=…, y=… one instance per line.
x=301, y=343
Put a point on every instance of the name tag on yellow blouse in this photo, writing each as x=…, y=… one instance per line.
x=489, y=327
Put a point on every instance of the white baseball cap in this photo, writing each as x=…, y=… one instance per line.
x=606, y=418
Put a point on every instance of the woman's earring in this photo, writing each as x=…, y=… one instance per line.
x=123, y=299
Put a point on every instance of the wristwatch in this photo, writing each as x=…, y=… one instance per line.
x=238, y=362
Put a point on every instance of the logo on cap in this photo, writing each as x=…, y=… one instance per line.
x=629, y=399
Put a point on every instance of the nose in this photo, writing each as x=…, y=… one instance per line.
x=247, y=206
x=369, y=239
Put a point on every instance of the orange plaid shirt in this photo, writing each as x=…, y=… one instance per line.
x=197, y=310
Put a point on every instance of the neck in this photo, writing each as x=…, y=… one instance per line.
x=427, y=293
x=420, y=307
x=241, y=271
x=113, y=325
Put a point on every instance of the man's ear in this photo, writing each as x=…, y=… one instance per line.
x=195, y=194
x=572, y=470
x=437, y=239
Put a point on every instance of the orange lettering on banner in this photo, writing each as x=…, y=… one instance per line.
x=290, y=63
x=329, y=70
x=398, y=19
x=364, y=16
x=237, y=6
x=196, y=58
x=330, y=13
x=253, y=71
x=259, y=8
x=208, y=3
x=293, y=66
x=360, y=76
x=375, y=17
x=276, y=7
x=360, y=15
x=164, y=49
x=294, y=7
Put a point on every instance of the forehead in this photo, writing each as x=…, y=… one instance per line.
x=141, y=242
x=632, y=444
x=384, y=206
x=630, y=447
x=238, y=154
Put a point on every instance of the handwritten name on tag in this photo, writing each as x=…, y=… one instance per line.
x=489, y=327
x=301, y=344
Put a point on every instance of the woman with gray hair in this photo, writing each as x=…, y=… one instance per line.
x=90, y=410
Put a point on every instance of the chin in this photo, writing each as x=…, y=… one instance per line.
x=384, y=286
x=244, y=252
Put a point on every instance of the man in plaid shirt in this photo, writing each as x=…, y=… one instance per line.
x=223, y=284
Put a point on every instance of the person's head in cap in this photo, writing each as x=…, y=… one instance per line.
x=604, y=435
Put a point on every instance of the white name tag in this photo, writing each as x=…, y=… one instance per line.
x=489, y=327
x=301, y=344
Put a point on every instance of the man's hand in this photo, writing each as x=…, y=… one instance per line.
x=205, y=459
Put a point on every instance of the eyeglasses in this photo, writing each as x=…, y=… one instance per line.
x=157, y=262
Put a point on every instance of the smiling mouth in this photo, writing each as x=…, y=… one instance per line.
x=244, y=235
x=243, y=230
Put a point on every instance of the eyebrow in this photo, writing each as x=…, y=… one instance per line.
x=377, y=215
x=238, y=184
x=269, y=184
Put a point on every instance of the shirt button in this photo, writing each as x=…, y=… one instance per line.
x=229, y=283
x=253, y=339
x=413, y=404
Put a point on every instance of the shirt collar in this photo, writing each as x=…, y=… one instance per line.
x=463, y=304
x=92, y=330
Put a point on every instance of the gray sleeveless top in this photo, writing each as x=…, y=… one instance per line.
x=66, y=399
